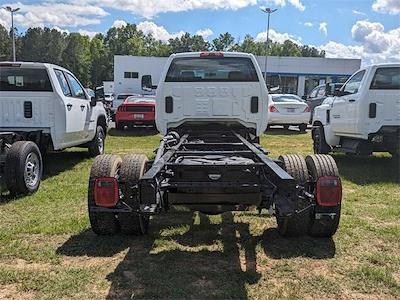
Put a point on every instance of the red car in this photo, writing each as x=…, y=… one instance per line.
x=136, y=110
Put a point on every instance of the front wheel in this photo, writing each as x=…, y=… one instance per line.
x=320, y=145
x=303, y=127
x=96, y=146
x=23, y=168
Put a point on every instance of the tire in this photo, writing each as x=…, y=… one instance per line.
x=96, y=146
x=132, y=168
x=320, y=145
x=303, y=127
x=286, y=127
x=294, y=165
x=23, y=168
x=103, y=223
x=323, y=165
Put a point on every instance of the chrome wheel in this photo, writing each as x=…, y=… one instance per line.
x=32, y=170
x=100, y=141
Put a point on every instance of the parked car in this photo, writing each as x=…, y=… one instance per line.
x=288, y=109
x=136, y=110
x=117, y=101
x=363, y=116
x=43, y=106
x=319, y=93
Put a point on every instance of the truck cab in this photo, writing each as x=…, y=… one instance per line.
x=199, y=89
x=363, y=116
x=46, y=105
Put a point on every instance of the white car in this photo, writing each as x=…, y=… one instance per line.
x=43, y=106
x=288, y=109
x=363, y=117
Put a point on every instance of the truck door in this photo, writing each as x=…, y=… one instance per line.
x=79, y=111
x=345, y=109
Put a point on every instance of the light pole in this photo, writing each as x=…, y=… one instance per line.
x=12, y=11
x=268, y=11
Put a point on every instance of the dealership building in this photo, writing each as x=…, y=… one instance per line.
x=298, y=75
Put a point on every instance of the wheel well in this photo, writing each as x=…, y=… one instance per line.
x=317, y=123
x=101, y=121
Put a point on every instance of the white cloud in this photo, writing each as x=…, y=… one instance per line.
x=375, y=45
x=89, y=33
x=5, y=18
x=158, y=32
x=277, y=37
x=151, y=8
x=387, y=6
x=61, y=30
x=205, y=33
x=119, y=24
x=308, y=24
x=57, y=14
x=296, y=3
x=323, y=27
x=356, y=12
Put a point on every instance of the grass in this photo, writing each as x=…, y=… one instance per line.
x=48, y=251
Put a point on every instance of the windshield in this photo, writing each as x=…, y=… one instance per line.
x=286, y=98
x=24, y=80
x=211, y=69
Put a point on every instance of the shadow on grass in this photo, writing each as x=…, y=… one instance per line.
x=54, y=164
x=185, y=257
x=368, y=169
x=137, y=131
x=277, y=247
x=282, y=131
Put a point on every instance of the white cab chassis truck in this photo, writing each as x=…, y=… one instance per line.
x=364, y=115
x=43, y=107
x=211, y=108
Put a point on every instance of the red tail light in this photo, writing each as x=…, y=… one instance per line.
x=212, y=54
x=329, y=191
x=307, y=109
x=106, y=192
x=273, y=109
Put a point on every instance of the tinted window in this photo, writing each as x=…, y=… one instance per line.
x=354, y=82
x=24, y=79
x=123, y=97
x=131, y=75
x=386, y=79
x=77, y=90
x=211, y=69
x=63, y=83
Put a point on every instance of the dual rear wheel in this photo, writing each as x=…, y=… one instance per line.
x=128, y=171
x=313, y=167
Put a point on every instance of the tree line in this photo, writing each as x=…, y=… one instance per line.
x=91, y=60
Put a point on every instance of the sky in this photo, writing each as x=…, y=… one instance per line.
x=366, y=29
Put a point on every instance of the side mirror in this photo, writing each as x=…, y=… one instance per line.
x=147, y=83
x=98, y=96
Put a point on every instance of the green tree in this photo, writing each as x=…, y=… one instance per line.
x=5, y=44
x=77, y=58
x=224, y=42
x=188, y=43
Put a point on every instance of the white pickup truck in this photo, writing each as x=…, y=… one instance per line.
x=43, y=107
x=363, y=116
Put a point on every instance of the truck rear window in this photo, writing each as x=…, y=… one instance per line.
x=24, y=80
x=386, y=79
x=211, y=69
